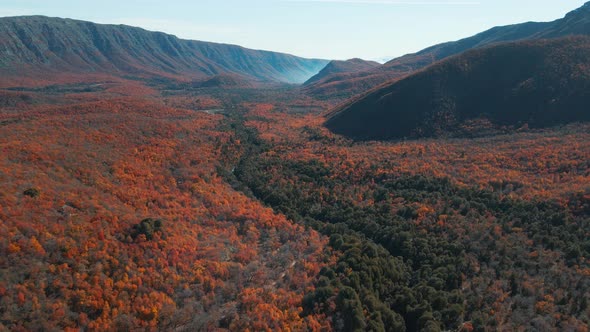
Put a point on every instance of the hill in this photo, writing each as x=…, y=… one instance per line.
x=341, y=67
x=225, y=81
x=576, y=22
x=37, y=46
x=533, y=83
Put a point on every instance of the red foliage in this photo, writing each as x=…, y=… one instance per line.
x=101, y=167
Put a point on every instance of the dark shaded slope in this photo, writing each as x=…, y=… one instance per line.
x=576, y=22
x=36, y=44
x=535, y=83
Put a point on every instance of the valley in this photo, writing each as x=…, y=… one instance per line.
x=151, y=183
x=270, y=221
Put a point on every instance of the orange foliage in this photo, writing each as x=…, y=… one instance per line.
x=103, y=165
x=543, y=164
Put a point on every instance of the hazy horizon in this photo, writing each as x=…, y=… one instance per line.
x=326, y=29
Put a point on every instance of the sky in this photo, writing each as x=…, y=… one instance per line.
x=327, y=29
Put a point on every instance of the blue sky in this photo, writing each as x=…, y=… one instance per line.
x=330, y=29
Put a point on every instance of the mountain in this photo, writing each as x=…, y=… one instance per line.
x=383, y=59
x=531, y=83
x=340, y=67
x=224, y=81
x=576, y=22
x=42, y=46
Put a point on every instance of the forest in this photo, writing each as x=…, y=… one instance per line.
x=484, y=91
x=114, y=217
x=154, y=183
x=177, y=207
x=429, y=249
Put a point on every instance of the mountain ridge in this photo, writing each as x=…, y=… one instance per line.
x=341, y=67
x=57, y=46
x=537, y=84
x=575, y=22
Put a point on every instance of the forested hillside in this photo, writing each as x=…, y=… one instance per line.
x=533, y=84
x=339, y=86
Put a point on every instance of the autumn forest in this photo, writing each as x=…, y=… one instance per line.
x=222, y=201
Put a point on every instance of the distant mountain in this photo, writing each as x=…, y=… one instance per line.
x=342, y=67
x=37, y=45
x=346, y=85
x=521, y=84
x=384, y=59
x=576, y=22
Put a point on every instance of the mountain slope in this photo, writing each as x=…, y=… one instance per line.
x=342, y=67
x=224, y=81
x=576, y=22
x=533, y=83
x=37, y=44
